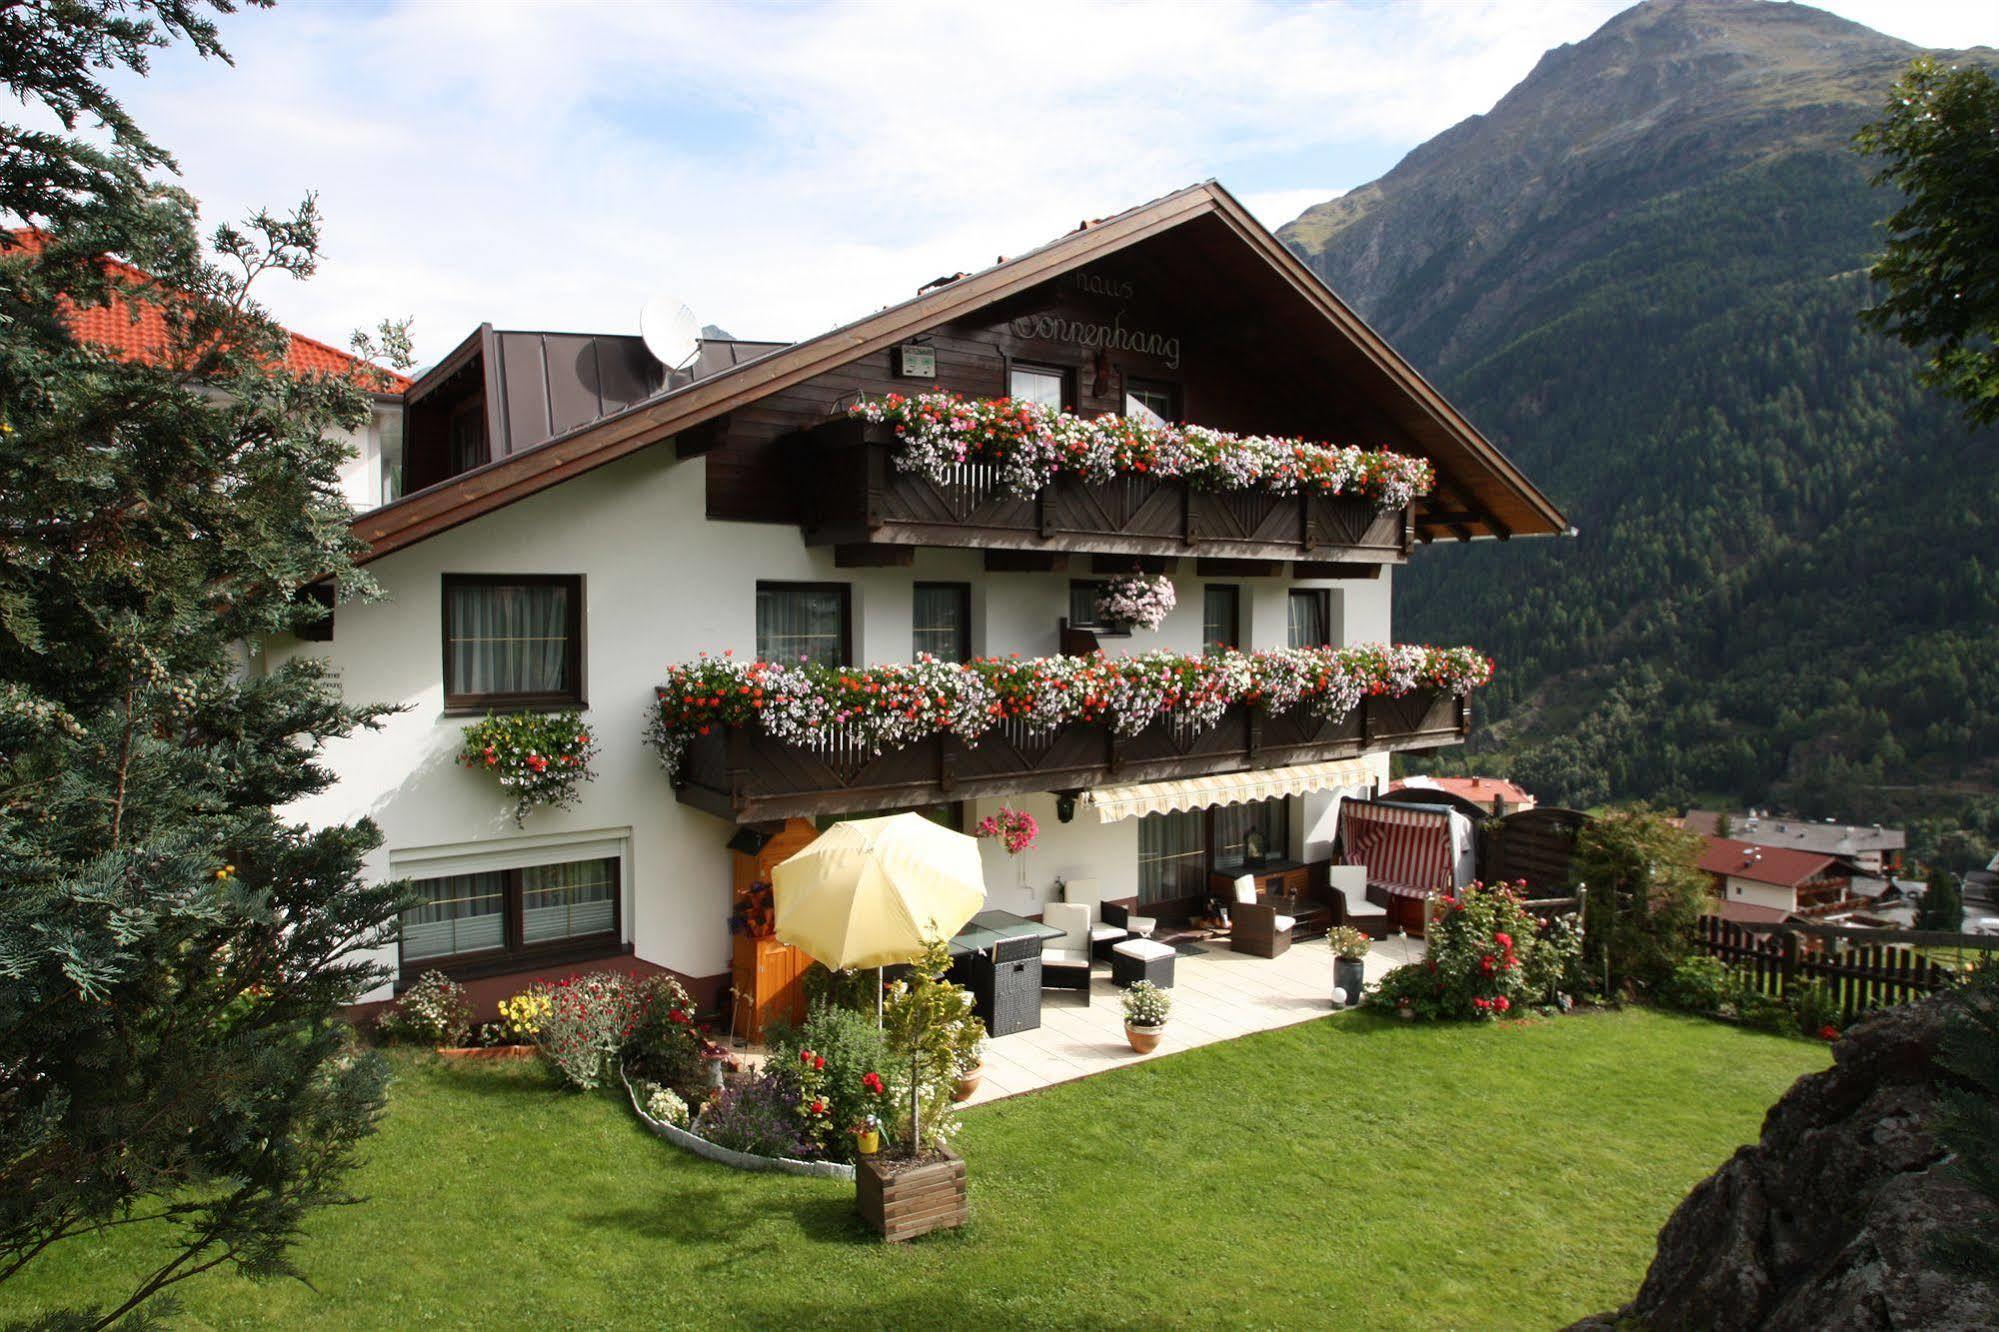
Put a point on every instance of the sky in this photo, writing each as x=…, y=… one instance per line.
x=784, y=168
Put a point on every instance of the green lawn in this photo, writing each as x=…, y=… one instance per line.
x=1349, y=1172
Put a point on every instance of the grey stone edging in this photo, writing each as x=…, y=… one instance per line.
x=700, y=1146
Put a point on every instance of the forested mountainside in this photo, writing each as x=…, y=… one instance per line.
x=1638, y=274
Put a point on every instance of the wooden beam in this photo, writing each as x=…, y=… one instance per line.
x=1117, y=564
x=1219, y=566
x=1333, y=569
x=1025, y=561
x=861, y=555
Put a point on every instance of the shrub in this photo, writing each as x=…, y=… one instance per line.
x=1699, y=984
x=666, y=1044
x=1816, y=1009
x=758, y=1115
x=589, y=1019
x=1146, y=1005
x=839, y=1059
x=1474, y=966
x=1645, y=894
x=846, y=989
x=434, y=1011
x=1552, y=970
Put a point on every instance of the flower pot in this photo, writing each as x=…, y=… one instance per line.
x=1144, y=1040
x=967, y=1084
x=1349, y=975
x=868, y=1143
x=903, y=1199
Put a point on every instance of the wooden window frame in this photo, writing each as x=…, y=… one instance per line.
x=1325, y=599
x=846, y=591
x=1235, y=613
x=513, y=955
x=963, y=592
x=572, y=661
x=1066, y=373
x=1166, y=386
x=1094, y=625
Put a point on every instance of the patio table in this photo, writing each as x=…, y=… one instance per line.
x=997, y=956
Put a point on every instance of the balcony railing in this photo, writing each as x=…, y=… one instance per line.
x=741, y=773
x=852, y=493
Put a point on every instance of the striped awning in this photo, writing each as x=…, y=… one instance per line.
x=1406, y=850
x=1226, y=788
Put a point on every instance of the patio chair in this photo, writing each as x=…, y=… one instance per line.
x=1089, y=894
x=1122, y=912
x=1350, y=883
x=1255, y=927
x=1065, y=961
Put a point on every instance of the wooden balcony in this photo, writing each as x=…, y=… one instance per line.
x=852, y=494
x=743, y=774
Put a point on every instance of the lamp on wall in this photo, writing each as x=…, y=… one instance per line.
x=1065, y=806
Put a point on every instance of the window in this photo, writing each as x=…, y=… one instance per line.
x=1270, y=820
x=1172, y=856
x=803, y=622
x=1147, y=401
x=943, y=621
x=514, y=639
x=1083, y=594
x=1038, y=383
x=499, y=912
x=1311, y=617
x=1221, y=617
x=468, y=436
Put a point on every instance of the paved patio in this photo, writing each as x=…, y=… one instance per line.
x=1217, y=996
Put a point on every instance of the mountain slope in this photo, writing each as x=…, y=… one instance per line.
x=1638, y=273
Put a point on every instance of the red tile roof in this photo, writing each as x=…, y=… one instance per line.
x=1478, y=790
x=137, y=331
x=1774, y=865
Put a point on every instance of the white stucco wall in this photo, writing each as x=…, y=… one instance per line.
x=661, y=584
x=376, y=448
x=1761, y=894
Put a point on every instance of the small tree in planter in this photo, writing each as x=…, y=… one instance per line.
x=541, y=757
x=923, y=1188
x=1349, y=946
x=1146, y=1007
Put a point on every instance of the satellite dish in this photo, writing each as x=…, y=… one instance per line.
x=670, y=331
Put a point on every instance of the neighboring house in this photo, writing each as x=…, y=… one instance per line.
x=1758, y=883
x=135, y=330
x=1871, y=850
x=1491, y=794
x=579, y=518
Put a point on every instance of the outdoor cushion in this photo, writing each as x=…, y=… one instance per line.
x=1350, y=881
x=1245, y=888
x=1285, y=922
x=1064, y=957
x=1073, y=921
x=1099, y=933
x=1141, y=924
x=1085, y=893
x=1145, y=950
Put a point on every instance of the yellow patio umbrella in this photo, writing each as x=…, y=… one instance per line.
x=869, y=892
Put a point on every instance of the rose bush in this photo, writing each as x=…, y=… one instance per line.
x=1486, y=956
x=1031, y=445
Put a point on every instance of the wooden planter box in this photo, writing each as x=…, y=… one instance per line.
x=913, y=1200
x=487, y=1051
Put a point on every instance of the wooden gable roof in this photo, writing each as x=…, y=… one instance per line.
x=1479, y=493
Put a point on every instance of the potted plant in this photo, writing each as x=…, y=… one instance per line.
x=867, y=1136
x=921, y=1186
x=971, y=1063
x=1349, y=946
x=1145, y=1010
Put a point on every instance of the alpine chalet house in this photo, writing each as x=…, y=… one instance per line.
x=898, y=545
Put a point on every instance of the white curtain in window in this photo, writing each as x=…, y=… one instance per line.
x=795, y=623
x=940, y=623
x=462, y=913
x=509, y=638
x=564, y=901
x=1308, y=619
x=1171, y=859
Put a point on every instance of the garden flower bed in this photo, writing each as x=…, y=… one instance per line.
x=701, y=1147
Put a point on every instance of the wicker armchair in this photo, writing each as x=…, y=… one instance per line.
x=1089, y=894
x=1349, y=885
x=1255, y=927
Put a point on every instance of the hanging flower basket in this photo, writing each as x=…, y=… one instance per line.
x=541, y=758
x=1136, y=600
x=1015, y=829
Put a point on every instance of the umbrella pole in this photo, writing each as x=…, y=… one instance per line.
x=878, y=998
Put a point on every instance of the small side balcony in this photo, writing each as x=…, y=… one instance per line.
x=743, y=774
x=853, y=495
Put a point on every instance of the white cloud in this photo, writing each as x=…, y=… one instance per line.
x=785, y=169
x=1274, y=208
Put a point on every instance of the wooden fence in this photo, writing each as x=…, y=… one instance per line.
x=1861, y=969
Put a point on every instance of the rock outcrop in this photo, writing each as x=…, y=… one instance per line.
x=1826, y=1221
